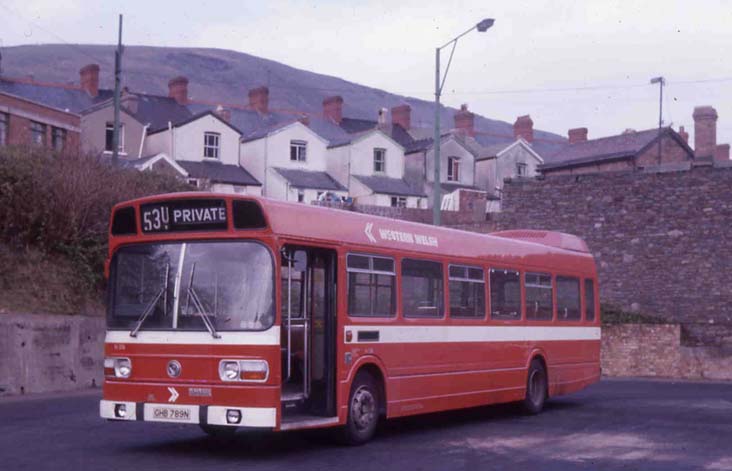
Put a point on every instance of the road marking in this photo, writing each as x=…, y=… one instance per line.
x=173, y=395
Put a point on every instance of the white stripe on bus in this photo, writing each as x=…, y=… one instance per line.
x=266, y=337
x=472, y=333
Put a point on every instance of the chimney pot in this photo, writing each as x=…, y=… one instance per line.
x=577, y=135
x=333, y=108
x=721, y=153
x=524, y=128
x=465, y=121
x=89, y=79
x=259, y=99
x=223, y=113
x=684, y=135
x=705, y=131
x=402, y=115
x=178, y=89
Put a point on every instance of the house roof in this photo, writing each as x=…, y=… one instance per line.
x=157, y=111
x=389, y=186
x=619, y=147
x=219, y=173
x=310, y=179
x=62, y=97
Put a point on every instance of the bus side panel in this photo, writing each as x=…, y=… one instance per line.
x=572, y=365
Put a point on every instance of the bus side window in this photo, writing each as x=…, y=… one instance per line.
x=589, y=300
x=568, y=298
x=371, y=286
x=505, y=286
x=539, y=299
x=467, y=292
x=422, y=288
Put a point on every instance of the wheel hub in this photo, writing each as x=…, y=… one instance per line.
x=363, y=408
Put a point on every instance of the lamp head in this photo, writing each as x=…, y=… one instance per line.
x=485, y=24
x=656, y=80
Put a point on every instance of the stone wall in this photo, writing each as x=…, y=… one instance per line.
x=657, y=350
x=661, y=240
x=45, y=353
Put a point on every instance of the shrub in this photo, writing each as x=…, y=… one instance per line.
x=60, y=204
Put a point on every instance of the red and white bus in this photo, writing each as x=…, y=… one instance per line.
x=240, y=312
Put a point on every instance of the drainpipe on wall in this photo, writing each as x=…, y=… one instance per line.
x=142, y=140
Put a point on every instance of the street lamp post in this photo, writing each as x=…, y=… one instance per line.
x=439, y=83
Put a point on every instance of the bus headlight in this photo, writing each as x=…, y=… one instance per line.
x=229, y=370
x=118, y=367
x=244, y=370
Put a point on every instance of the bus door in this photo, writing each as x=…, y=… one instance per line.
x=308, y=316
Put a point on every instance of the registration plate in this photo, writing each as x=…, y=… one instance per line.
x=162, y=413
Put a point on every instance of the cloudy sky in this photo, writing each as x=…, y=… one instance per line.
x=567, y=63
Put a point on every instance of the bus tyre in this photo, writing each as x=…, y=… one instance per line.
x=219, y=432
x=363, y=410
x=536, y=388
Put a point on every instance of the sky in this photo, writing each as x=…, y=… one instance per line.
x=568, y=63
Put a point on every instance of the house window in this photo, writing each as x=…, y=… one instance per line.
x=109, y=137
x=379, y=160
x=522, y=169
x=300, y=196
x=193, y=182
x=298, y=151
x=3, y=129
x=211, y=145
x=453, y=169
x=398, y=201
x=58, y=139
x=38, y=134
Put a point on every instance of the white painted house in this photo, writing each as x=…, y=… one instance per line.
x=291, y=160
x=207, y=147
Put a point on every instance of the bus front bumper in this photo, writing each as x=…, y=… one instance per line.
x=256, y=417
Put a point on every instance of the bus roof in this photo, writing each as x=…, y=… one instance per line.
x=362, y=231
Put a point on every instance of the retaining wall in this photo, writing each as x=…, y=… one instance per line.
x=46, y=353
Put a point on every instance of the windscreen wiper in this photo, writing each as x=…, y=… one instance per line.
x=198, y=305
x=151, y=305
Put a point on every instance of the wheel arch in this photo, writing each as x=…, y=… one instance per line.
x=540, y=355
x=375, y=368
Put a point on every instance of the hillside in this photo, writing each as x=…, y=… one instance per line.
x=225, y=76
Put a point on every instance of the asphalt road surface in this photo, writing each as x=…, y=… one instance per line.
x=617, y=424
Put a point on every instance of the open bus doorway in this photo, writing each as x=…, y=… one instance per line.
x=308, y=281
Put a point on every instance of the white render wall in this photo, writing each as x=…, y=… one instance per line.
x=362, y=156
x=187, y=141
x=506, y=165
x=236, y=189
x=451, y=148
x=261, y=156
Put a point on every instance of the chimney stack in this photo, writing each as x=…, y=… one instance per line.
x=577, y=135
x=259, y=99
x=223, y=113
x=465, y=121
x=705, y=131
x=304, y=119
x=178, y=90
x=402, y=115
x=89, y=79
x=684, y=135
x=333, y=108
x=381, y=117
x=524, y=128
x=721, y=153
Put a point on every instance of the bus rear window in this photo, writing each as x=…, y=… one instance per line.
x=589, y=300
x=505, y=288
x=422, y=290
x=568, y=298
x=539, y=299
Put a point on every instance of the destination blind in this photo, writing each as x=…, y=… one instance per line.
x=184, y=215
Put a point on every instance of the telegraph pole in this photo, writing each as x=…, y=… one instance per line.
x=117, y=90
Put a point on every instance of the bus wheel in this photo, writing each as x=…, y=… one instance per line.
x=219, y=432
x=536, y=388
x=363, y=410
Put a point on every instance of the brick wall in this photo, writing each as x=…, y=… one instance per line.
x=22, y=113
x=661, y=240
